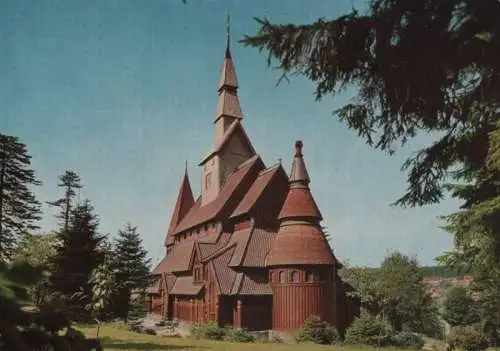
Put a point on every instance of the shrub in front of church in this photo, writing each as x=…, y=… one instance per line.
x=238, y=335
x=368, y=330
x=317, y=331
x=467, y=339
x=407, y=340
x=209, y=331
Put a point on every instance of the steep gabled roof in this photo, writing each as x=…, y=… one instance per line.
x=256, y=190
x=184, y=203
x=234, y=128
x=208, y=247
x=224, y=275
x=178, y=260
x=258, y=248
x=185, y=286
x=200, y=214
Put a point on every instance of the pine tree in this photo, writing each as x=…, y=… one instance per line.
x=459, y=308
x=70, y=181
x=77, y=256
x=19, y=209
x=427, y=66
x=131, y=267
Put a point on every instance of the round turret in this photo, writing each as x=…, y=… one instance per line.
x=302, y=266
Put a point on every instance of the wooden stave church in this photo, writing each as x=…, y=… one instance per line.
x=250, y=251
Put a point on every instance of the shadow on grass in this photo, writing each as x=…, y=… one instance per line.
x=111, y=343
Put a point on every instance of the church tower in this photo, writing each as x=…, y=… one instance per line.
x=301, y=263
x=231, y=145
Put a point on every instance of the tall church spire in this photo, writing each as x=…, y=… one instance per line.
x=228, y=105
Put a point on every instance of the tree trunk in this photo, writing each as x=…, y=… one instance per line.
x=67, y=209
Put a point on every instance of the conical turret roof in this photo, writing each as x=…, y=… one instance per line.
x=300, y=240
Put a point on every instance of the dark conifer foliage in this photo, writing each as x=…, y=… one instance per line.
x=415, y=66
x=428, y=67
x=19, y=209
x=70, y=181
x=77, y=256
x=131, y=267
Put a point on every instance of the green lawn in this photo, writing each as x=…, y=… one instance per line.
x=114, y=338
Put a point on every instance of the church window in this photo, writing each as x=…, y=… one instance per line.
x=282, y=277
x=208, y=180
x=213, y=225
x=294, y=277
x=309, y=277
x=205, y=227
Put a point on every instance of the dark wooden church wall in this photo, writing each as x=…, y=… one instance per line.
x=256, y=312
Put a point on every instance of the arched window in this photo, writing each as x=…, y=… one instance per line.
x=309, y=277
x=282, y=277
x=294, y=277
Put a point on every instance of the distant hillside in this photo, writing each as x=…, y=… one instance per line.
x=438, y=271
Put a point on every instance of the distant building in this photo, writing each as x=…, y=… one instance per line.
x=249, y=251
x=436, y=285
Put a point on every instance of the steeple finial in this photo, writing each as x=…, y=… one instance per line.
x=186, y=167
x=299, y=171
x=228, y=35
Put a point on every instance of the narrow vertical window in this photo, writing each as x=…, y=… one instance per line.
x=295, y=277
x=309, y=277
x=282, y=277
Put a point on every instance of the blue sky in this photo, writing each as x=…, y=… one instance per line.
x=123, y=92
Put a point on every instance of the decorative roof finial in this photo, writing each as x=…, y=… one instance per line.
x=298, y=148
x=228, y=35
x=186, y=167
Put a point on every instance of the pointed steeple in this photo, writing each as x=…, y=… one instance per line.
x=185, y=201
x=299, y=202
x=299, y=171
x=300, y=240
x=228, y=104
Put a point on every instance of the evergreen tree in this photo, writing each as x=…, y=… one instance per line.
x=70, y=181
x=459, y=309
x=19, y=209
x=131, y=268
x=427, y=66
x=77, y=256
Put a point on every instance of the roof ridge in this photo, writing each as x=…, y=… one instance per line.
x=252, y=227
x=219, y=252
x=248, y=161
x=240, y=283
x=270, y=168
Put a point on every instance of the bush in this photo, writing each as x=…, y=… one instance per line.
x=318, y=332
x=467, y=339
x=368, y=330
x=239, y=335
x=210, y=331
x=406, y=339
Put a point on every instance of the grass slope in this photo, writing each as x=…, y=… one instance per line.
x=114, y=338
